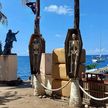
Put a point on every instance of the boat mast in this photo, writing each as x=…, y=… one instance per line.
x=100, y=48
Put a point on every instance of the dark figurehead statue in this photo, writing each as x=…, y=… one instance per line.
x=10, y=38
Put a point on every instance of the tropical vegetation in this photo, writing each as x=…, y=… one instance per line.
x=91, y=66
x=3, y=18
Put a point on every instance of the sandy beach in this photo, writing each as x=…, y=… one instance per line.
x=22, y=97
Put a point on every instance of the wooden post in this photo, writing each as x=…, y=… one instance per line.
x=37, y=18
x=76, y=14
x=38, y=89
x=73, y=49
x=36, y=48
x=75, y=99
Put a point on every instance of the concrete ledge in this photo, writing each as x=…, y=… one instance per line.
x=58, y=56
x=63, y=92
x=8, y=67
x=46, y=64
x=59, y=71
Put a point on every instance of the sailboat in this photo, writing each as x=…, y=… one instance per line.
x=98, y=58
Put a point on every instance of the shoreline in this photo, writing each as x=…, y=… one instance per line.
x=99, y=70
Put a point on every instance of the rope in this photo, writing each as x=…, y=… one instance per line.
x=53, y=89
x=98, y=99
x=92, y=97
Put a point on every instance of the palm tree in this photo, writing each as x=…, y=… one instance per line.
x=3, y=18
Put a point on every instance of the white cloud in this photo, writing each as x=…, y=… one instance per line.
x=97, y=51
x=61, y=10
x=58, y=35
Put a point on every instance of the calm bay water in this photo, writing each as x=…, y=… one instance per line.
x=99, y=65
x=23, y=70
x=24, y=65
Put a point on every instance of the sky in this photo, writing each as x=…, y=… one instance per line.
x=57, y=16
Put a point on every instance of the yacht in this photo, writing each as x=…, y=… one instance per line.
x=98, y=59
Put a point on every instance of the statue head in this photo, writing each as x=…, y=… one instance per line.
x=10, y=31
x=73, y=36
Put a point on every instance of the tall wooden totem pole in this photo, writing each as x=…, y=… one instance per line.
x=37, y=42
x=73, y=49
x=73, y=45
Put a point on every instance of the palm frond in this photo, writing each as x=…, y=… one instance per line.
x=3, y=18
x=0, y=5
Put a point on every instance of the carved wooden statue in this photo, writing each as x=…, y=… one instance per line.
x=37, y=43
x=36, y=48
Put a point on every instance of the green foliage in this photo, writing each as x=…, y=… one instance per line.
x=91, y=66
x=3, y=18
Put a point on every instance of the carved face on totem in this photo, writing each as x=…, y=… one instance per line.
x=36, y=46
x=73, y=36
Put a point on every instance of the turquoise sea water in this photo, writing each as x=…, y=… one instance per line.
x=24, y=65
